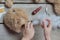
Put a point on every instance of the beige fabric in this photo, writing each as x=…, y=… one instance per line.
x=8, y=3
x=37, y=1
x=54, y=1
x=56, y=5
x=15, y=18
x=51, y=1
x=0, y=0
x=57, y=9
x=57, y=1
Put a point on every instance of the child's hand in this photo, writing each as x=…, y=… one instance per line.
x=47, y=28
x=28, y=32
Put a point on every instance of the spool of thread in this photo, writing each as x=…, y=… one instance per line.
x=36, y=10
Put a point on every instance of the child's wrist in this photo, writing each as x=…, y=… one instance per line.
x=47, y=37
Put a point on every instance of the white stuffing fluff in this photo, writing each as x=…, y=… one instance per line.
x=54, y=19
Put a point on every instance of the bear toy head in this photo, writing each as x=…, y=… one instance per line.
x=15, y=19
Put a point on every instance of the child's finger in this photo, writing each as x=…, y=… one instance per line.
x=49, y=22
x=26, y=26
x=44, y=24
x=31, y=25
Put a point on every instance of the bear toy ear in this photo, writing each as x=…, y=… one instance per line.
x=8, y=3
x=15, y=19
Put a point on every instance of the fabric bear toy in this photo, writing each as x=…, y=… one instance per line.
x=15, y=18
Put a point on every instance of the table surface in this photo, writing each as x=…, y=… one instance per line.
x=26, y=1
x=6, y=34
